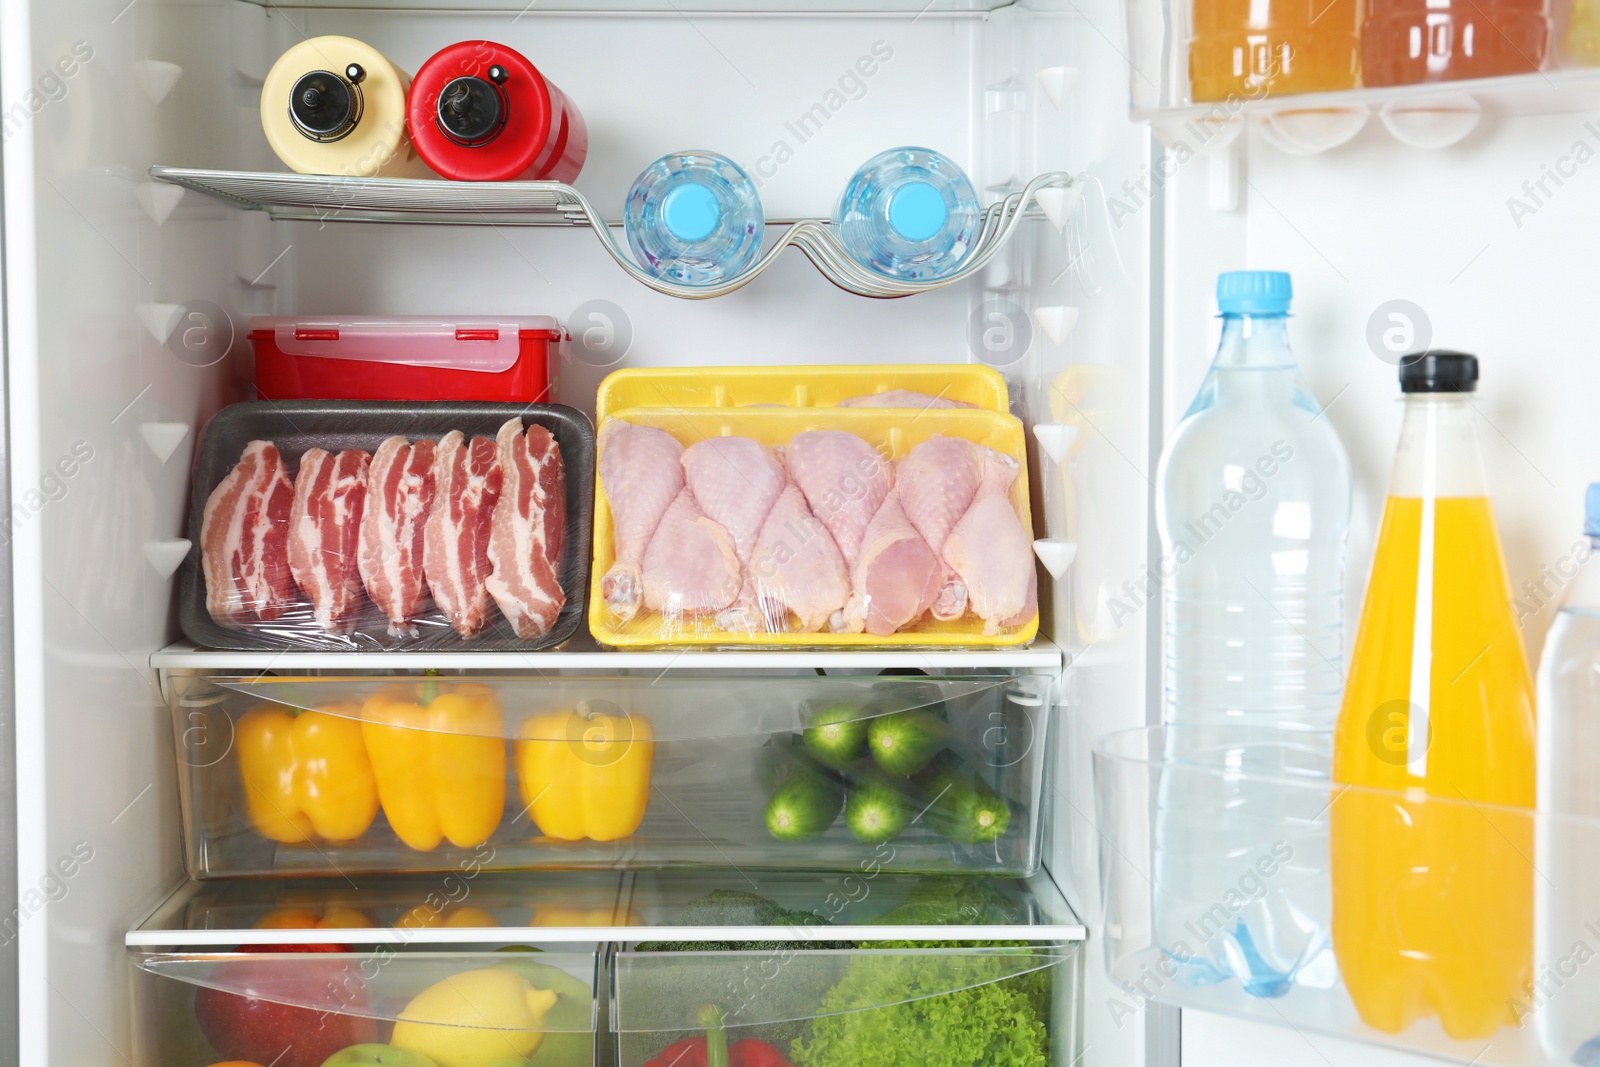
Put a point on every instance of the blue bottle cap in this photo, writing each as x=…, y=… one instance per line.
x=1591, y=510
x=1254, y=292
x=691, y=212
x=917, y=211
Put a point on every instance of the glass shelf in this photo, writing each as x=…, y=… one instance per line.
x=328, y=198
x=494, y=907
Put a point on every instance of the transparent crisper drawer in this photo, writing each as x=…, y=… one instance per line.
x=1239, y=879
x=319, y=1005
x=339, y=774
x=902, y=1002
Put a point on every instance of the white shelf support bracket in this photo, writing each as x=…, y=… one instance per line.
x=167, y=556
x=1056, y=322
x=159, y=319
x=1058, y=83
x=1227, y=165
x=158, y=199
x=1055, y=438
x=1056, y=555
x=156, y=77
x=163, y=438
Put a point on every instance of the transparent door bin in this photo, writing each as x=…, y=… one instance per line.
x=340, y=774
x=821, y=1007
x=1239, y=879
x=1201, y=70
x=303, y=1005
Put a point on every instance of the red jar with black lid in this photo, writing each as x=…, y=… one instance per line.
x=479, y=111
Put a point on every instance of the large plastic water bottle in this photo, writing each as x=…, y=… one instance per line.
x=1566, y=993
x=909, y=214
x=694, y=218
x=1253, y=505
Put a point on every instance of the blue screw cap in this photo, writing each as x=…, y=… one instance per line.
x=1254, y=292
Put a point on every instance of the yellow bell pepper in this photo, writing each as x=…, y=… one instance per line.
x=306, y=776
x=440, y=760
x=425, y=916
x=585, y=775
x=333, y=918
x=558, y=915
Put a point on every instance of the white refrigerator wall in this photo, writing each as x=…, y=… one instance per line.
x=120, y=293
x=1491, y=270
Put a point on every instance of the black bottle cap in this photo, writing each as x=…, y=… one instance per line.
x=323, y=105
x=471, y=111
x=1438, y=372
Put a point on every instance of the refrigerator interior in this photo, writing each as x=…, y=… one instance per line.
x=122, y=291
x=105, y=267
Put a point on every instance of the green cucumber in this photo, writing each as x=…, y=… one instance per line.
x=904, y=742
x=961, y=806
x=875, y=810
x=834, y=733
x=804, y=806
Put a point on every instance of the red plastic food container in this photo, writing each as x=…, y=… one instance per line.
x=404, y=357
x=480, y=112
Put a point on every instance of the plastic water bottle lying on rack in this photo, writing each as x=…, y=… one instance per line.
x=909, y=214
x=694, y=218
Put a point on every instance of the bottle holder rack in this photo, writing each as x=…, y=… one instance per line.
x=324, y=198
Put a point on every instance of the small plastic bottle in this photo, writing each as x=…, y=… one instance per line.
x=694, y=218
x=909, y=214
x=334, y=105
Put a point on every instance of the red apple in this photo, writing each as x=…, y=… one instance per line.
x=252, y=1022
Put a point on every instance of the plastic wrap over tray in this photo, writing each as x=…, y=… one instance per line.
x=366, y=526
x=812, y=527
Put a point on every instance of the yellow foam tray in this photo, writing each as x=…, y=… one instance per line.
x=894, y=432
x=797, y=387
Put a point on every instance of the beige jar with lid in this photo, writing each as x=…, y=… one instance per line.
x=333, y=105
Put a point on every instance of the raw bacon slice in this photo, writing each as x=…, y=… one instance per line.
x=324, y=532
x=399, y=494
x=529, y=523
x=244, y=550
x=466, y=482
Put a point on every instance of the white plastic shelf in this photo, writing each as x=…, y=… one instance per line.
x=582, y=654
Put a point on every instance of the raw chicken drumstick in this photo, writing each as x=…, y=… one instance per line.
x=736, y=482
x=243, y=539
x=641, y=474
x=530, y=521
x=898, y=576
x=399, y=496
x=991, y=552
x=324, y=530
x=936, y=483
x=796, y=568
x=466, y=487
x=691, y=566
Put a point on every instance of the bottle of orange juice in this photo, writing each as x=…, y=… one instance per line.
x=1432, y=878
x=1255, y=48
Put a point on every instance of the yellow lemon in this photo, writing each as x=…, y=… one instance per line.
x=475, y=1018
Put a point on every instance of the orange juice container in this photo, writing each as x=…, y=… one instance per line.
x=1406, y=42
x=1252, y=49
x=1434, y=749
x=335, y=105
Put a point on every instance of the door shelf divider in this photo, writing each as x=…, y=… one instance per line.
x=331, y=198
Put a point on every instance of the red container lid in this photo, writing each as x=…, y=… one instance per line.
x=489, y=344
x=479, y=111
